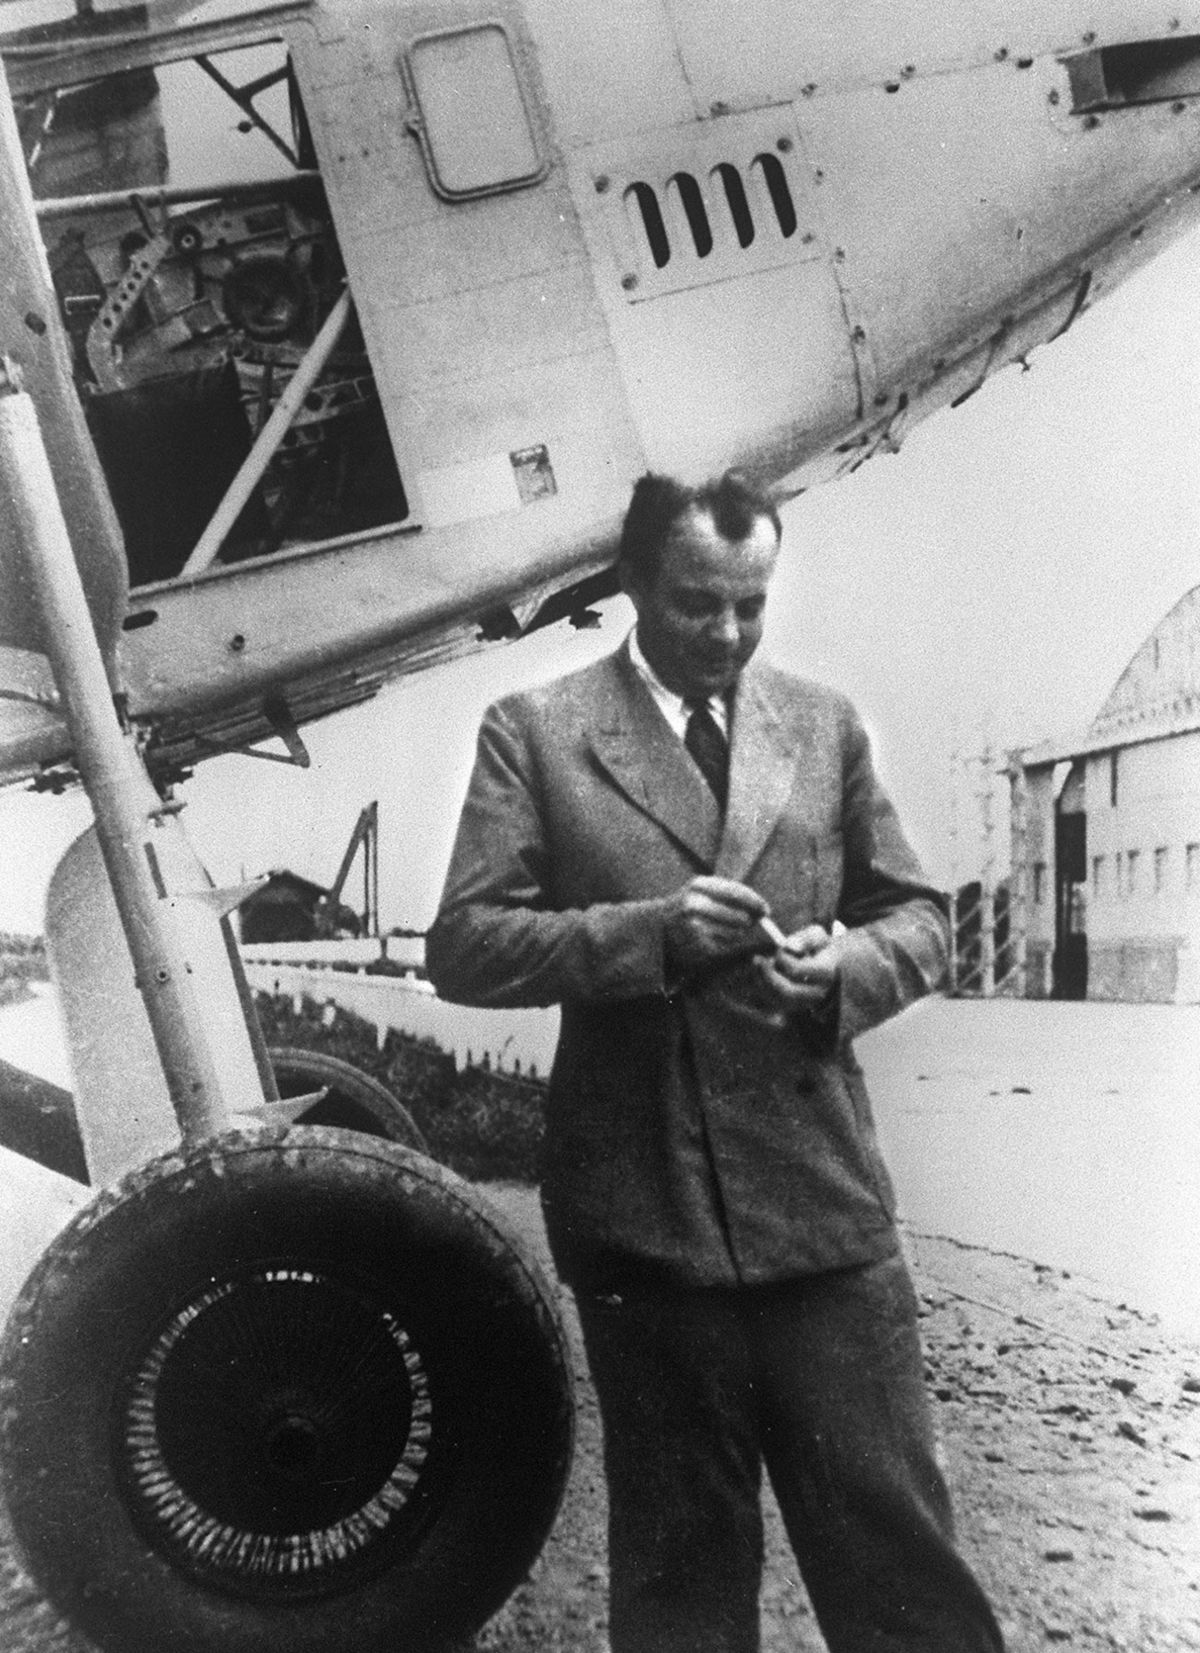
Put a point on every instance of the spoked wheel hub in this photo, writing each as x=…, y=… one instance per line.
x=278, y=1432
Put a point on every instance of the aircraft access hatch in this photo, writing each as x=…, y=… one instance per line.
x=196, y=265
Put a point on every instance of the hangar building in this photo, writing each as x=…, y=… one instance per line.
x=1106, y=835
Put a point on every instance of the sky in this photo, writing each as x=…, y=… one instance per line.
x=985, y=587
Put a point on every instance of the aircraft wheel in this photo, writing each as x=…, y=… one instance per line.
x=356, y=1101
x=295, y=1389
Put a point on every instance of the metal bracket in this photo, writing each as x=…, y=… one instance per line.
x=279, y=715
x=289, y=1109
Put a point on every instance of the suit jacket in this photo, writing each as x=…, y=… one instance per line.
x=683, y=1137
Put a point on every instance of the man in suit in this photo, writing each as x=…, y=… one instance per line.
x=634, y=838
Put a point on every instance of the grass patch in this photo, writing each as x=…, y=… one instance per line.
x=487, y=1126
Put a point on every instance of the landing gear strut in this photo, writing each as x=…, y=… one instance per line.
x=284, y=1387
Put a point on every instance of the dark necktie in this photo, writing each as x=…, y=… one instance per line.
x=707, y=744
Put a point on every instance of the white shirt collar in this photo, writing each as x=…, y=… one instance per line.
x=670, y=704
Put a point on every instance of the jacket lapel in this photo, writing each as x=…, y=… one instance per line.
x=764, y=760
x=641, y=753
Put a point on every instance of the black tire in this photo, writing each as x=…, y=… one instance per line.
x=299, y=1389
x=356, y=1101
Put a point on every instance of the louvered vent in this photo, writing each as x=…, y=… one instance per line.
x=689, y=217
x=703, y=203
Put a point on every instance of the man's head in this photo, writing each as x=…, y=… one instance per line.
x=696, y=563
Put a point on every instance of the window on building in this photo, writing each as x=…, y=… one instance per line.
x=1191, y=866
x=1132, y=858
x=1112, y=779
x=1039, y=883
x=1160, y=869
x=1120, y=873
x=1097, y=874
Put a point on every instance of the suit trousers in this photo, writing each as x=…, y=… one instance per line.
x=820, y=1379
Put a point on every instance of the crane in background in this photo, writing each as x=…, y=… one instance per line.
x=365, y=837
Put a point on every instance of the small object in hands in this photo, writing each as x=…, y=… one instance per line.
x=772, y=931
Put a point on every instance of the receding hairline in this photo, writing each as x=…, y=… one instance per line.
x=660, y=506
x=701, y=508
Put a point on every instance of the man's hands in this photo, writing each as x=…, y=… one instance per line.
x=711, y=919
x=800, y=975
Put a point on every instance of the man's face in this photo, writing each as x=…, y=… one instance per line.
x=701, y=617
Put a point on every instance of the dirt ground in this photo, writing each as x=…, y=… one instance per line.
x=1070, y=1428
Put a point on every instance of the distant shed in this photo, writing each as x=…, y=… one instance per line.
x=290, y=908
x=1108, y=834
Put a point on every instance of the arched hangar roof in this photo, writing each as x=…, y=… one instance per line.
x=1159, y=689
x=1157, y=695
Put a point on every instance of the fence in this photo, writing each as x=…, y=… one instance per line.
x=520, y=1042
x=988, y=912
